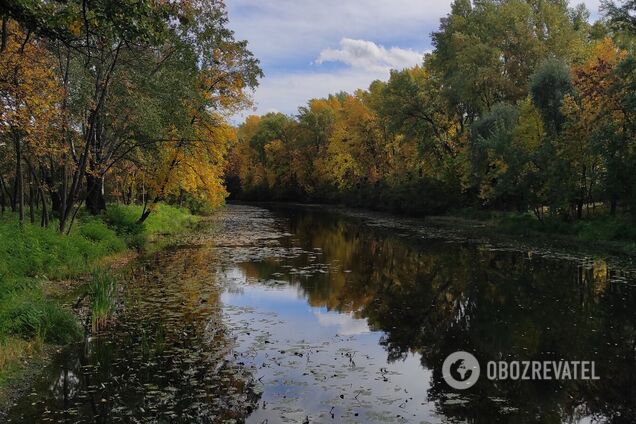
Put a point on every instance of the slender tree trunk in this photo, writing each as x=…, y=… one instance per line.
x=5, y=193
x=5, y=33
x=2, y=197
x=19, y=178
x=146, y=211
x=32, y=199
x=14, y=202
x=44, y=222
x=64, y=192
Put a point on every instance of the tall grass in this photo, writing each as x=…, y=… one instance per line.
x=102, y=290
x=31, y=255
x=31, y=251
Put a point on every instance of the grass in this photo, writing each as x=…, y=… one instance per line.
x=31, y=255
x=164, y=220
x=102, y=290
x=614, y=232
x=601, y=228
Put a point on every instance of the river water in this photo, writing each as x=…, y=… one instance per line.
x=297, y=315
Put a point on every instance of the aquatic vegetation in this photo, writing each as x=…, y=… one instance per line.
x=102, y=290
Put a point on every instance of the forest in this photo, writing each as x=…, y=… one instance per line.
x=121, y=101
x=521, y=106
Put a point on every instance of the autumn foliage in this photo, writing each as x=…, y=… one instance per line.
x=125, y=101
x=521, y=106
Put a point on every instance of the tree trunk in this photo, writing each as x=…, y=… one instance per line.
x=95, y=201
x=5, y=33
x=14, y=197
x=19, y=183
x=5, y=193
x=56, y=202
x=31, y=199
x=45, y=213
x=5, y=190
x=2, y=198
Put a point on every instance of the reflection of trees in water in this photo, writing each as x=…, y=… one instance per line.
x=166, y=359
x=436, y=298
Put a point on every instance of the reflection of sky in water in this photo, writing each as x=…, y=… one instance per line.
x=344, y=324
x=343, y=369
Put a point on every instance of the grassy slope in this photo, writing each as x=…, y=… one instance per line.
x=31, y=256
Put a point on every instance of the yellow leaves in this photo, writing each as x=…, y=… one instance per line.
x=274, y=149
x=528, y=133
x=75, y=27
x=606, y=51
x=30, y=93
x=194, y=166
x=249, y=128
x=596, y=99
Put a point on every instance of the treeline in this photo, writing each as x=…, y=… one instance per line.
x=116, y=100
x=521, y=105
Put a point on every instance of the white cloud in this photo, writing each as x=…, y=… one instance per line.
x=368, y=55
x=345, y=323
x=280, y=29
x=367, y=61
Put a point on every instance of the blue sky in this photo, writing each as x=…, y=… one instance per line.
x=311, y=48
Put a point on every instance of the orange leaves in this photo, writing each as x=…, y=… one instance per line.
x=594, y=78
x=596, y=99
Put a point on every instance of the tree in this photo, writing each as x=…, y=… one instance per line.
x=597, y=117
x=29, y=114
x=548, y=86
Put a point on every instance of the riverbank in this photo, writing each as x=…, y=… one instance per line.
x=56, y=287
x=601, y=236
x=603, y=233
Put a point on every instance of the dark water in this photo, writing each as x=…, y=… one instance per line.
x=300, y=315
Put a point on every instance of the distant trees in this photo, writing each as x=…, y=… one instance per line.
x=96, y=91
x=521, y=106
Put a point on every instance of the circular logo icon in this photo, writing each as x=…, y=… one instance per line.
x=461, y=370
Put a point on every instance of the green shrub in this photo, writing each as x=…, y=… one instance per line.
x=166, y=219
x=602, y=228
x=124, y=219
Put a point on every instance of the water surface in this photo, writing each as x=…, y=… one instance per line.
x=303, y=315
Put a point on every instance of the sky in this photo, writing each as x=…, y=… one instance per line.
x=312, y=48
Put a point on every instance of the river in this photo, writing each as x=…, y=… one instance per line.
x=302, y=314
